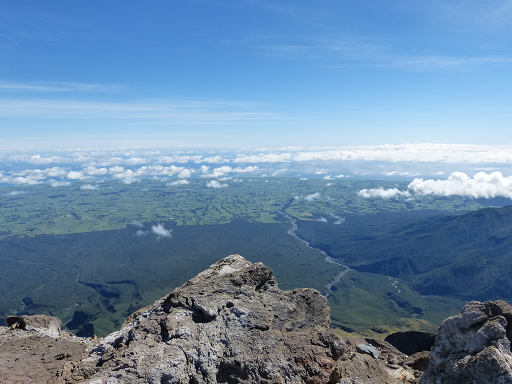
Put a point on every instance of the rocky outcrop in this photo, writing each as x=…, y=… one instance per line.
x=229, y=324
x=473, y=347
x=232, y=324
x=43, y=325
x=33, y=349
x=358, y=365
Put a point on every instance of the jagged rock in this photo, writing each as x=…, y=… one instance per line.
x=418, y=361
x=229, y=324
x=361, y=369
x=392, y=366
x=45, y=325
x=368, y=349
x=411, y=342
x=473, y=347
x=31, y=350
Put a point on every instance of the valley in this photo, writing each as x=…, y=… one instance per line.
x=91, y=257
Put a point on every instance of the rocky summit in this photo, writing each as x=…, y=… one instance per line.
x=473, y=347
x=232, y=324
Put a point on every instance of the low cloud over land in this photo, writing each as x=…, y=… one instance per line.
x=215, y=184
x=312, y=197
x=89, y=187
x=160, y=231
x=383, y=193
x=481, y=185
x=179, y=182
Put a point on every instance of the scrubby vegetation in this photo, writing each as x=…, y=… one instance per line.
x=92, y=256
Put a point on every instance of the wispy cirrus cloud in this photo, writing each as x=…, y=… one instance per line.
x=479, y=15
x=58, y=87
x=348, y=51
x=209, y=112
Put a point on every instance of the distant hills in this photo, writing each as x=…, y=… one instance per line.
x=92, y=256
x=468, y=256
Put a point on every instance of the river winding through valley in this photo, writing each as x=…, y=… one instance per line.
x=293, y=232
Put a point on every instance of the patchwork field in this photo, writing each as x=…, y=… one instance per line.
x=92, y=254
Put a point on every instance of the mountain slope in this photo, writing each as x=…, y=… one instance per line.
x=469, y=255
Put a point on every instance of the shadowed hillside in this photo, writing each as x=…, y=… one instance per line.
x=467, y=256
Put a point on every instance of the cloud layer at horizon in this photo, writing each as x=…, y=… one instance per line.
x=176, y=165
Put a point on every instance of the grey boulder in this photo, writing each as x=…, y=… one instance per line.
x=473, y=347
x=229, y=324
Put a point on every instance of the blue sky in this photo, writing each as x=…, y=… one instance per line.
x=254, y=73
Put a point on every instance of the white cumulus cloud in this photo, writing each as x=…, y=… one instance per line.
x=264, y=158
x=382, y=193
x=130, y=180
x=219, y=172
x=185, y=173
x=137, y=223
x=312, y=197
x=339, y=220
x=75, y=175
x=246, y=169
x=92, y=171
x=178, y=182
x=160, y=231
x=89, y=187
x=214, y=159
x=215, y=184
x=55, y=183
x=480, y=185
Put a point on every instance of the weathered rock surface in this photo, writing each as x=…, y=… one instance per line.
x=34, y=349
x=229, y=324
x=44, y=325
x=358, y=366
x=473, y=347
